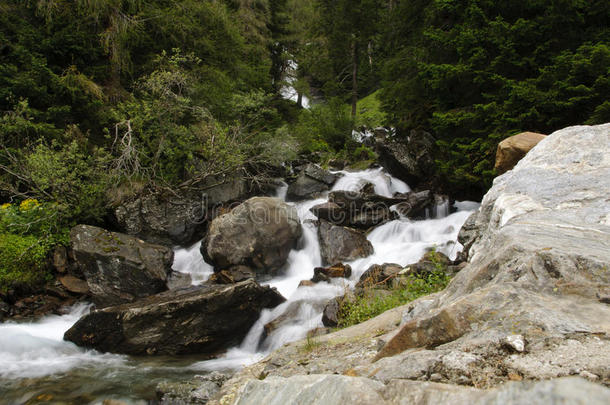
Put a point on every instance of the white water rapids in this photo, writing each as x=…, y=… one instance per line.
x=34, y=359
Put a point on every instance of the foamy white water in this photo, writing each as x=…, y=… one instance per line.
x=36, y=350
x=400, y=241
x=189, y=260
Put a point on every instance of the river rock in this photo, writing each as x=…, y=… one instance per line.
x=330, y=315
x=512, y=149
x=73, y=284
x=204, y=319
x=198, y=391
x=170, y=219
x=539, y=260
x=411, y=160
x=356, y=209
x=119, y=268
x=337, y=270
x=416, y=204
x=379, y=275
x=342, y=244
x=311, y=182
x=258, y=233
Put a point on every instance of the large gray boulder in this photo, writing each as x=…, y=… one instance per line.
x=258, y=233
x=119, y=268
x=202, y=319
x=342, y=244
x=169, y=219
x=537, y=265
x=311, y=182
x=323, y=389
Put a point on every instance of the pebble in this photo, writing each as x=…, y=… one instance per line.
x=516, y=342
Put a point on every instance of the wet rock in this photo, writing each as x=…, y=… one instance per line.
x=468, y=234
x=199, y=390
x=74, y=285
x=317, y=173
x=169, y=219
x=179, y=280
x=412, y=161
x=512, y=149
x=416, y=204
x=330, y=316
x=339, y=243
x=338, y=270
x=306, y=283
x=119, y=268
x=233, y=274
x=203, y=319
x=379, y=275
x=258, y=233
x=311, y=182
x=330, y=211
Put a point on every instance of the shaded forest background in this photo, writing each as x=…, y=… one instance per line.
x=103, y=99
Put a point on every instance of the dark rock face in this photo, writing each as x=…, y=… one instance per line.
x=356, y=210
x=468, y=234
x=178, y=220
x=415, y=204
x=411, y=161
x=233, y=274
x=202, y=319
x=119, y=268
x=338, y=270
x=258, y=233
x=330, y=316
x=312, y=181
x=339, y=243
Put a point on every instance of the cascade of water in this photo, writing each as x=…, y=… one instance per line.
x=189, y=260
x=401, y=241
x=37, y=349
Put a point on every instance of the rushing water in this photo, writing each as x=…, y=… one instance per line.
x=36, y=363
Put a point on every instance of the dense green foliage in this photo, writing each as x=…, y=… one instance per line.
x=99, y=97
x=473, y=72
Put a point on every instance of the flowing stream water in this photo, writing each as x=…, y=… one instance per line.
x=36, y=365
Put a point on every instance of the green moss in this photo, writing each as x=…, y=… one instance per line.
x=23, y=260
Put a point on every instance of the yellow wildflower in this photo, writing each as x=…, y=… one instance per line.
x=5, y=206
x=29, y=204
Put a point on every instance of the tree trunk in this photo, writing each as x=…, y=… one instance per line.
x=300, y=99
x=354, y=78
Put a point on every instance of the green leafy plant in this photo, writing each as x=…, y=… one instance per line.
x=374, y=302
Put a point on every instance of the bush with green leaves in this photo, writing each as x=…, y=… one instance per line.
x=325, y=127
x=373, y=302
x=23, y=261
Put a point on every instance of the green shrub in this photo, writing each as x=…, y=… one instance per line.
x=325, y=127
x=23, y=260
x=374, y=302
